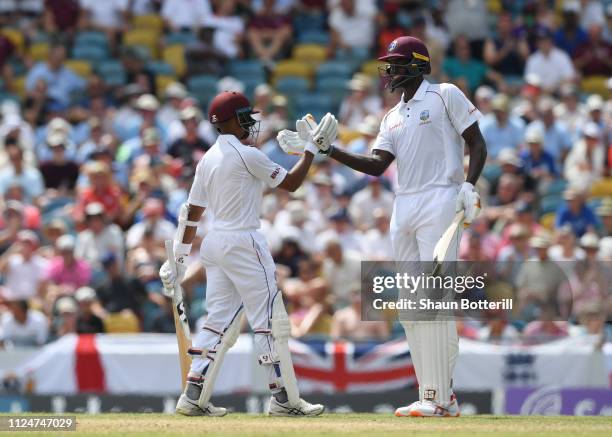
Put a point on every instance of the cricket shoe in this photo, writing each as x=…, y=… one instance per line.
x=303, y=408
x=421, y=408
x=187, y=407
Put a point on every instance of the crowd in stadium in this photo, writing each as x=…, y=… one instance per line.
x=103, y=117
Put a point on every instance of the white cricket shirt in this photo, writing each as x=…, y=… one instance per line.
x=424, y=135
x=230, y=180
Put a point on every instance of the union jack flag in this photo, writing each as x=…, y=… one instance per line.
x=332, y=367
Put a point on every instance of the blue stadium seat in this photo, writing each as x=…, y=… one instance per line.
x=315, y=103
x=314, y=37
x=91, y=38
x=336, y=87
x=180, y=38
x=161, y=68
x=89, y=53
x=247, y=67
x=491, y=172
x=292, y=85
x=557, y=186
x=112, y=72
x=308, y=22
x=335, y=69
x=550, y=204
x=202, y=82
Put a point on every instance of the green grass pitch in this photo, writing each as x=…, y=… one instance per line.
x=327, y=425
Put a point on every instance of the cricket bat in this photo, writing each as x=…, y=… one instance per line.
x=441, y=249
x=181, y=324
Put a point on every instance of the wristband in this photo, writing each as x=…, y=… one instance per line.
x=310, y=147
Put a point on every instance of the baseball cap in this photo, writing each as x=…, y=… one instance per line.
x=94, y=208
x=65, y=242
x=509, y=156
x=189, y=112
x=147, y=102
x=66, y=304
x=534, y=135
x=83, y=294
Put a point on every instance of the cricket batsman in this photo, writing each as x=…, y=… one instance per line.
x=229, y=183
x=425, y=132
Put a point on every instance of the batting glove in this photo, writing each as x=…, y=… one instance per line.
x=294, y=143
x=325, y=133
x=173, y=273
x=468, y=200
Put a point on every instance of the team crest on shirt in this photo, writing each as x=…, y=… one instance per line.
x=424, y=116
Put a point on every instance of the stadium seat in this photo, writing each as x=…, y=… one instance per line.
x=112, y=72
x=356, y=54
x=491, y=172
x=245, y=67
x=39, y=51
x=148, y=22
x=80, y=67
x=548, y=220
x=314, y=53
x=19, y=85
x=162, y=82
x=175, y=56
x=550, y=204
x=371, y=68
x=313, y=37
x=309, y=22
x=91, y=38
x=89, y=53
x=315, y=103
x=595, y=85
x=143, y=38
x=334, y=87
x=161, y=68
x=556, y=187
x=292, y=85
x=179, y=38
x=334, y=69
x=202, y=82
x=293, y=68
x=124, y=322
x=16, y=38
x=602, y=188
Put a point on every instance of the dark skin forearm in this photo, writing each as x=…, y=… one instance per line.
x=374, y=164
x=298, y=173
x=194, y=215
x=477, y=150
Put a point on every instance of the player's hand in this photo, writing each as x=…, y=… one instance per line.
x=325, y=133
x=172, y=274
x=468, y=200
x=294, y=143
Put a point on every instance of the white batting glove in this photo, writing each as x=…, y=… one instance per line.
x=468, y=200
x=325, y=133
x=294, y=143
x=172, y=274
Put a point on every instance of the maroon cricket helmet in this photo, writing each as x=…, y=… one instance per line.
x=229, y=104
x=407, y=47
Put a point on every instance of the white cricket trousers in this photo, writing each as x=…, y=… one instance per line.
x=417, y=223
x=240, y=272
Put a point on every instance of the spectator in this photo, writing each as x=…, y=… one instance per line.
x=22, y=326
x=570, y=35
x=347, y=324
x=190, y=147
x=368, y=131
x=136, y=71
x=102, y=189
x=541, y=331
x=536, y=161
x=65, y=272
x=566, y=251
x=351, y=23
x=594, y=55
x=120, y=292
x=468, y=73
x=185, y=15
x=557, y=139
x=67, y=315
x=61, y=81
x=88, y=322
x=508, y=51
x=570, y=111
x=367, y=200
x=174, y=94
x=268, y=32
x=605, y=213
x=342, y=270
x=576, y=213
x=153, y=219
x=498, y=330
x=61, y=16
x=22, y=268
x=359, y=103
x=585, y=162
x=59, y=173
x=229, y=28
x=551, y=65
x=469, y=18
x=501, y=129
x=99, y=238
x=18, y=173
x=108, y=16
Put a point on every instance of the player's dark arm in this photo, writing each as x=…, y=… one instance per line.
x=477, y=149
x=194, y=214
x=298, y=173
x=374, y=164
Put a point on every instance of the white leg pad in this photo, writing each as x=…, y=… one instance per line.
x=226, y=340
x=281, y=331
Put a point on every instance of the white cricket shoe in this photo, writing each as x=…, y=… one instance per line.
x=430, y=409
x=187, y=407
x=303, y=408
